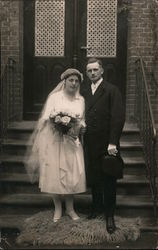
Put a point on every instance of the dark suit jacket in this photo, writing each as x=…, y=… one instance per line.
x=105, y=118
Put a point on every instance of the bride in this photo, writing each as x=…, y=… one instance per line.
x=56, y=156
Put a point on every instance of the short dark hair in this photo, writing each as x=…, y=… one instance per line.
x=93, y=60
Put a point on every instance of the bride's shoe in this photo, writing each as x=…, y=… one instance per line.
x=72, y=215
x=56, y=219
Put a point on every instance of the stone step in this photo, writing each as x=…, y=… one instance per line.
x=127, y=206
x=25, y=135
x=28, y=126
x=17, y=183
x=134, y=165
x=23, y=129
x=123, y=143
x=131, y=153
x=20, y=183
x=15, y=164
x=14, y=146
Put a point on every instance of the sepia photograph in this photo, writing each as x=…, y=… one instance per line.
x=78, y=124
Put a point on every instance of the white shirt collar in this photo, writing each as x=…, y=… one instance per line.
x=94, y=86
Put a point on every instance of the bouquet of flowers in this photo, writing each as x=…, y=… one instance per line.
x=63, y=121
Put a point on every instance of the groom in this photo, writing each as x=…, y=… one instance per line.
x=105, y=120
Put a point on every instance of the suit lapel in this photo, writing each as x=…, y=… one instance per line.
x=94, y=98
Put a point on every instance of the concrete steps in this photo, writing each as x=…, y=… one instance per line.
x=11, y=163
x=24, y=203
x=19, y=196
x=19, y=199
x=18, y=146
x=19, y=182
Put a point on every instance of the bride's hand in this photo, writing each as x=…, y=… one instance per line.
x=72, y=132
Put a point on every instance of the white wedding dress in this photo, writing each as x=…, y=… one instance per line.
x=59, y=158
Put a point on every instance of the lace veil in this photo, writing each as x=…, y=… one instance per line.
x=31, y=159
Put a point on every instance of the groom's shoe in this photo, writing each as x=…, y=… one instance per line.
x=110, y=224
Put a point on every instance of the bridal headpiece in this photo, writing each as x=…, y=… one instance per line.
x=70, y=72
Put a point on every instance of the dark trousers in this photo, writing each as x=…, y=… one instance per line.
x=103, y=187
x=104, y=196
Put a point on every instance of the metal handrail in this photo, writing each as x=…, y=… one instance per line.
x=148, y=98
x=147, y=127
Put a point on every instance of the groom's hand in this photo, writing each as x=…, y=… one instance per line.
x=112, y=150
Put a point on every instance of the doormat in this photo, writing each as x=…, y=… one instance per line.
x=40, y=229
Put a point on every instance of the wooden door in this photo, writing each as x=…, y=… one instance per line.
x=57, y=34
x=99, y=36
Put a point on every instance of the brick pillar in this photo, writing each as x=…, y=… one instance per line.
x=12, y=46
x=141, y=42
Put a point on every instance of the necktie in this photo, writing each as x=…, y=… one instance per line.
x=93, y=87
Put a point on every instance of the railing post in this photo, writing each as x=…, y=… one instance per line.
x=156, y=181
x=147, y=130
x=0, y=93
x=155, y=178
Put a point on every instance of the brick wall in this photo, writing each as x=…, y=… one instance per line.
x=12, y=46
x=142, y=41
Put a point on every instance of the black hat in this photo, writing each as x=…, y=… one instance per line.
x=113, y=166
